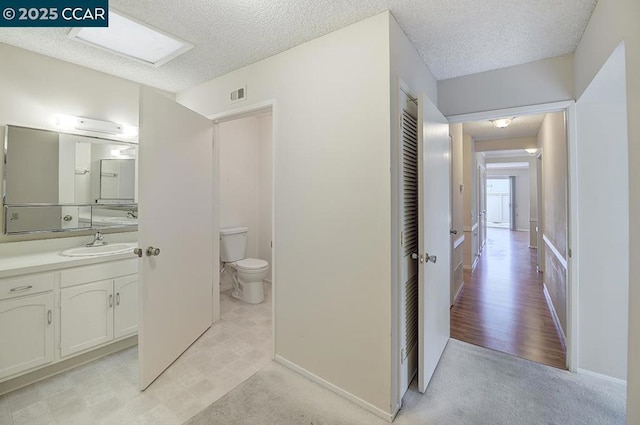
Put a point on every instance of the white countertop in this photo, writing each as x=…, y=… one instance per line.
x=53, y=260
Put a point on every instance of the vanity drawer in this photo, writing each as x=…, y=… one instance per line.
x=26, y=285
x=95, y=272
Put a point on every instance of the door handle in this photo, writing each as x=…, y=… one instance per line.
x=138, y=252
x=415, y=256
x=431, y=258
x=151, y=251
x=453, y=231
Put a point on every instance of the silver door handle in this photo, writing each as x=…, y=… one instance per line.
x=453, y=231
x=151, y=251
x=138, y=252
x=431, y=258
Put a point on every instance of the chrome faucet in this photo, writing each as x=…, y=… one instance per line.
x=98, y=240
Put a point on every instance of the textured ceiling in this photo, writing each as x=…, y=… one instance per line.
x=523, y=126
x=454, y=37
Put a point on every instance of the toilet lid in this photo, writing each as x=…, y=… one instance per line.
x=252, y=264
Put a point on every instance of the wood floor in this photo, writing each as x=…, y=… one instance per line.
x=502, y=305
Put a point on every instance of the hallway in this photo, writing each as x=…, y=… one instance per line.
x=502, y=305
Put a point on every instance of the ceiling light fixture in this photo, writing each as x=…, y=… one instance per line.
x=133, y=39
x=502, y=122
x=69, y=122
x=531, y=151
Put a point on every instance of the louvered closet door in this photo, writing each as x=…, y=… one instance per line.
x=409, y=266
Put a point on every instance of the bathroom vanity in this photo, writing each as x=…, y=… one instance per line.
x=53, y=307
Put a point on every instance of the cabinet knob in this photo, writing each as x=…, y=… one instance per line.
x=151, y=251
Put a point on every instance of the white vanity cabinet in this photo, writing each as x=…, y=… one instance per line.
x=26, y=322
x=98, y=303
x=86, y=316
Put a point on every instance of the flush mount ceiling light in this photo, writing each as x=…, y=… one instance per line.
x=502, y=122
x=133, y=39
x=531, y=151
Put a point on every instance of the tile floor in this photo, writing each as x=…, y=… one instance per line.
x=105, y=391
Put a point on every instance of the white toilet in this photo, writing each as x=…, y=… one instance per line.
x=247, y=273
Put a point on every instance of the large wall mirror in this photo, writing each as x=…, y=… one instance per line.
x=62, y=182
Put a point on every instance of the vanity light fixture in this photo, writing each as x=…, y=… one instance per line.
x=70, y=122
x=531, y=151
x=502, y=122
x=133, y=39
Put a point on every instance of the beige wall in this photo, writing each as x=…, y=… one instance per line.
x=457, y=209
x=36, y=88
x=614, y=21
x=469, y=207
x=332, y=104
x=552, y=139
x=544, y=81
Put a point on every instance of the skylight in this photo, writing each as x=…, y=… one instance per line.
x=133, y=39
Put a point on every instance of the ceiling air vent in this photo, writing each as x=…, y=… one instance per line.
x=239, y=94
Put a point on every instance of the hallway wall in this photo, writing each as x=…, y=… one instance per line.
x=552, y=139
x=457, y=210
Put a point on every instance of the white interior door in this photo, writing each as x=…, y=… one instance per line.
x=434, y=221
x=176, y=216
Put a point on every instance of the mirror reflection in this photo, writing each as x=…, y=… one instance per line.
x=57, y=182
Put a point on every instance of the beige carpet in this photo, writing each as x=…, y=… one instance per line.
x=472, y=386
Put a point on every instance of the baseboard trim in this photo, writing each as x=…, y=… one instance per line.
x=602, y=376
x=473, y=266
x=335, y=389
x=556, y=319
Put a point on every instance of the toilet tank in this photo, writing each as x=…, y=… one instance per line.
x=233, y=241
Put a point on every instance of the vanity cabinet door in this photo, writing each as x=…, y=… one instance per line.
x=86, y=316
x=26, y=333
x=126, y=306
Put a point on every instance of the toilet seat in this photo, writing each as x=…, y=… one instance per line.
x=251, y=264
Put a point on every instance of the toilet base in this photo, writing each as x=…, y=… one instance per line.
x=251, y=292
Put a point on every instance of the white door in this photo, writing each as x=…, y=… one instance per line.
x=434, y=221
x=176, y=216
x=125, y=317
x=86, y=316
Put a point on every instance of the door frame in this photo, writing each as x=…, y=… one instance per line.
x=569, y=107
x=236, y=113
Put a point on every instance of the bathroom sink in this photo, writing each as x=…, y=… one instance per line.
x=92, y=251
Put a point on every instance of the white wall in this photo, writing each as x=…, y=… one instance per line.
x=265, y=186
x=523, y=197
x=544, y=81
x=614, y=21
x=604, y=221
x=245, y=182
x=331, y=119
x=36, y=88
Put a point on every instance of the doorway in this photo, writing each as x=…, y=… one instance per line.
x=499, y=202
x=505, y=303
